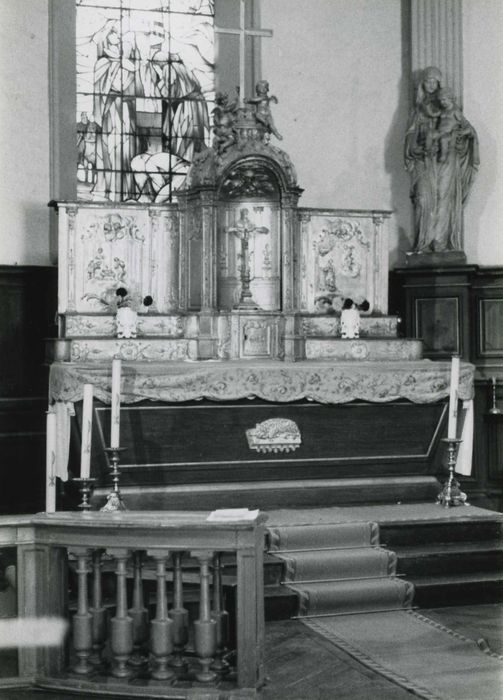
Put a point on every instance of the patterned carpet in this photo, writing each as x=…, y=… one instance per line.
x=349, y=593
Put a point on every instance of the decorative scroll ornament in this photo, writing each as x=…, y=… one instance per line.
x=274, y=435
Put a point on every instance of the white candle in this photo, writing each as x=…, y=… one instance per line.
x=50, y=463
x=453, y=398
x=87, y=429
x=116, y=403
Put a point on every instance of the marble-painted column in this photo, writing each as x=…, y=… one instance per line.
x=209, y=253
x=437, y=40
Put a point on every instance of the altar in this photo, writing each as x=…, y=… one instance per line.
x=225, y=308
x=246, y=425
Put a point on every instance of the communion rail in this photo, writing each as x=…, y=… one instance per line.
x=160, y=629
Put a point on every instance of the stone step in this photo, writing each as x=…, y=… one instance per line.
x=94, y=349
x=363, y=349
x=329, y=326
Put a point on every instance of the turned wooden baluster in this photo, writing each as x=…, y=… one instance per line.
x=161, y=627
x=139, y=614
x=121, y=625
x=98, y=612
x=82, y=620
x=179, y=615
x=221, y=616
x=205, y=628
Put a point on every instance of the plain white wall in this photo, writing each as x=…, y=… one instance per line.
x=483, y=107
x=337, y=68
x=24, y=132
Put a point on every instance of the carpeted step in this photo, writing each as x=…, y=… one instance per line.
x=335, y=564
x=334, y=598
x=438, y=549
x=293, y=537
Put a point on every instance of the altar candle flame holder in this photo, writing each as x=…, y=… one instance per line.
x=86, y=486
x=494, y=410
x=451, y=494
x=114, y=498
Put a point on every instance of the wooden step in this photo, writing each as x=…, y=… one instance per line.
x=450, y=558
x=406, y=533
x=268, y=495
x=457, y=589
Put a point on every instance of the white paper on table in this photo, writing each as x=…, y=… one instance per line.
x=231, y=514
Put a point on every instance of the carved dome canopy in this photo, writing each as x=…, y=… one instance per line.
x=249, y=178
x=272, y=167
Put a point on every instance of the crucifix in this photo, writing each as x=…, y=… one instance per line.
x=244, y=230
x=242, y=32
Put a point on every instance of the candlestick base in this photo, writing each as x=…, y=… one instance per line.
x=86, y=486
x=114, y=503
x=494, y=410
x=451, y=494
x=114, y=499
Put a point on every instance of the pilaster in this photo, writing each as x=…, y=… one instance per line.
x=436, y=31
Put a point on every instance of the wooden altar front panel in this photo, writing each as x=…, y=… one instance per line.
x=206, y=441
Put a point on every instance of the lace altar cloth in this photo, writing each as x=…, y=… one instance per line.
x=421, y=381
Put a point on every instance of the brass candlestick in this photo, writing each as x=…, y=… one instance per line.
x=86, y=486
x=494, y=410
x=114, y=498
x=451, y=494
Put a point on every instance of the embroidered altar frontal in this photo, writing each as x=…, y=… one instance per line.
x=184, y=423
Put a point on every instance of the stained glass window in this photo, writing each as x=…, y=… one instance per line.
x=145, y=88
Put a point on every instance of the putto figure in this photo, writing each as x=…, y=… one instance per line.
x=262, y=109
x=441, y=155
x=224, y=120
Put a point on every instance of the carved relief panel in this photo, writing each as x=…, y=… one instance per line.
x=343, y=254
x=102, y=248
x=248, y=235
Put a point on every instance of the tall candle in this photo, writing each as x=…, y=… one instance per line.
x=87, y=428
x=50, y=463
x=116, y=403
x=453, y=398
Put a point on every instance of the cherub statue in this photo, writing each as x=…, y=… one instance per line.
x=262, y=110
x=224, y=118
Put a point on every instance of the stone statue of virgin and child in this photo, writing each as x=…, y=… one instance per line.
x=441, y=155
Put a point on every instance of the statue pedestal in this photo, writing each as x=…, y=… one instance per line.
x=447, y=257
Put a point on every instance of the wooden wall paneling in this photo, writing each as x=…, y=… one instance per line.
x=436, y=303
x=440, y=303
x=488, y=321
x=28, y=299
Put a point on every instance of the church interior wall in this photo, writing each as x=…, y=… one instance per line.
x=24, y=132
x=344, y=100
x=483, y=106
x=343, y=103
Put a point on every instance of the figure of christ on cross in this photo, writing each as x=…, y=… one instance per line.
x=242, y=32
x=244, y=229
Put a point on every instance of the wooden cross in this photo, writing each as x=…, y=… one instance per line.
x=242, y=32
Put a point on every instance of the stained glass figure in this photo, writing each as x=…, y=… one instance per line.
x=145, y=88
